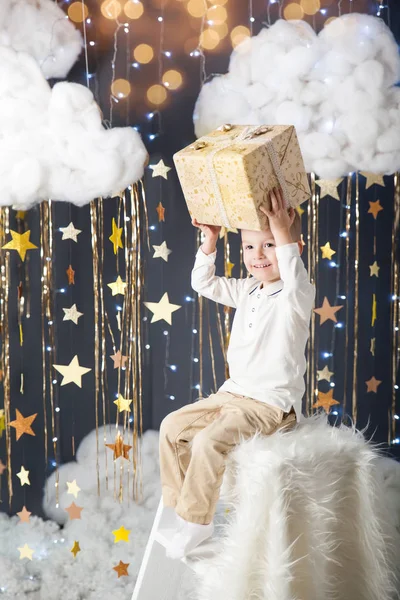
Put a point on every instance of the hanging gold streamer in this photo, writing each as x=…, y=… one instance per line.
x=346, y=350
x=356, y=286
x=210, y=343
x=395, y=307
x=201, y=327
x=43, y=302
x=227, y=309
x=312, y=255
x=95, y=259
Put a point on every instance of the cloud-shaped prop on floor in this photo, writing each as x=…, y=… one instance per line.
x=338, y=88
x=52, y=141
x=40, y=28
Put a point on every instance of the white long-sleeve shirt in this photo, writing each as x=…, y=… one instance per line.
x=270, y=328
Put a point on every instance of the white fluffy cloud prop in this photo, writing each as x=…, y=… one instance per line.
x=40, y=28
x=52, y=141
x=338, y=88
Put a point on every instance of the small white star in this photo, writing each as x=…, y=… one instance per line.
x=72, y=314
x=162, y=251
x=70, y=233
x=24, y=476
x=25, y=552
x=160, y=169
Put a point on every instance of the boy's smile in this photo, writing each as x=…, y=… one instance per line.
x=259, y=255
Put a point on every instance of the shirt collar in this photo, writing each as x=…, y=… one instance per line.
x=270, y=289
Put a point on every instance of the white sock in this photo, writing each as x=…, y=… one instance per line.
x=188, y=537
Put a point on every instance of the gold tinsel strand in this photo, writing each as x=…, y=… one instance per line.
x=346, y=349
x=356, y=285
x=43, y=300
x=5, y=349
x=395, y=310
x=95, y=260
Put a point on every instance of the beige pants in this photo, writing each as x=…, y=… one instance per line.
x=195, y=441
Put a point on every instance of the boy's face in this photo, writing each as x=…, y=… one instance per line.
x=259, y=255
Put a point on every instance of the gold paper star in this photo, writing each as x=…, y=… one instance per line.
x=300, y=210
x=374, y=269
x=373, y=384
x=161, y=212
x=75, y=549
x=25, y=552
x=2, y=467
x=23, y=476
x=24, y=515
x=325, y=374
x=228, y=267
x=20, y=242
x=160, y=169
x=162, y=251
x=374, y=311
x=74, y=511
x=329, y=187
x=73, y=372
x=122, y=569
x=162, y=309
x=119, y=448
x=115, y=237
x=375, y=208
x=71, y=275
x=70, y=233
x=119, y=359
x=372, y=346
x=73, y=488
x=118, y=287
x=327, y=312
x=325, y=401
x=327, y=251
x=23, y=424
x=121, y=535
x=2, y=421
x=20, y=214
x=72, y=314
x=225, y=230
x=122, y=404
x=373, y=179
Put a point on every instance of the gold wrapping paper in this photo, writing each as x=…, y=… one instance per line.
x=226, y=175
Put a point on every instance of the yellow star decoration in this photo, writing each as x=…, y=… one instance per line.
x=121, y=535
x=115, y=237
x=300, y=210
x=325, y=374
x=225, y=230
x=327, y=251
x=375, y=208
x=20, y=242
x=329, y=187
x=372, y=346
x=162, y=310
x=372, y=179
x=25, y=552
x=75, y=549
x=160, y=169
x=20, y=214
x=73, y=488
x=325, y=401
x=122, y=404
x=162, y=251
x=73, y=372
x=118, y=287
x=228, y=268
x=374, y=269
x=373, y=318
x=23, y=476
x=2, y=421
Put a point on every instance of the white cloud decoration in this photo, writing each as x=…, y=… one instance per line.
x=42, y=29
x=338, y=88
x=52, y=141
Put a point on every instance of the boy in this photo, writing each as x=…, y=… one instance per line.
x=266, y=363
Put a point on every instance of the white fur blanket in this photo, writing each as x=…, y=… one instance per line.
x=310, y=520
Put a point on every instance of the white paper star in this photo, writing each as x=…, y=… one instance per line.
x=73, y=488
x=24, y=476
x=72, y=373
x=160, y=169
x=162, y=309
x=162, y=251
x=70, y=233
x=25, y=552
x=72, y=314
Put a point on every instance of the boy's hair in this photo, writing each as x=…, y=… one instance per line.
x=295, y=229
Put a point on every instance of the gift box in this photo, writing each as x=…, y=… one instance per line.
x=227, y=175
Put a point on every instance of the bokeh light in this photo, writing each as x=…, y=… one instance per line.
x=209, y=39
x=111, y=9
x=220, y=2
x=221, y=29
x=293, y=11
x=217, y=14
x=78, y=12
x=239, y=34
x=133, y=9
x=143, y=54
x=310, y=7
x=172, y=79
x=156, y=94
x=120, y=88
x=196, y=8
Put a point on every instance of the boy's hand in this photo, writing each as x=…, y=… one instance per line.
x=210, y=231
x=280, y=219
